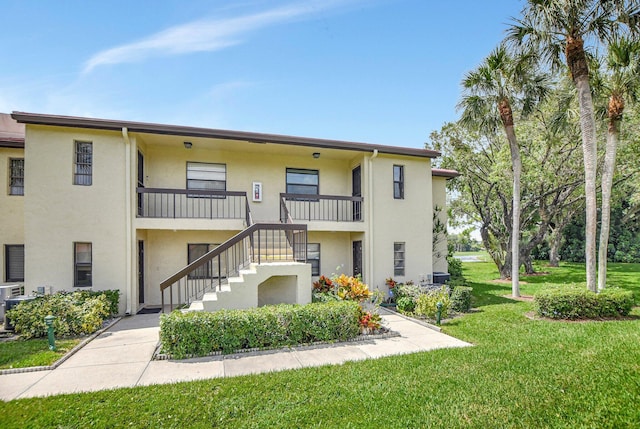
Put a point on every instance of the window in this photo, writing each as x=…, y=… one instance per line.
x=398, y=259
x=206, y=271
x=195, y=251
x=14, y=262
x=206, y=177
x=301, y=181
x=16, y=176
x=313, y=258
x=82, y=264
x=398, y=182
x=83, y=164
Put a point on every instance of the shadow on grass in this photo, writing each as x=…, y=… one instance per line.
x=489, y=293
x=566, y=273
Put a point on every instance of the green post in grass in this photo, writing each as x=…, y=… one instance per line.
x=439, y=313
x=48, y=320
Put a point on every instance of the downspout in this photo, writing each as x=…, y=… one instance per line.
x=128, y=223
x=370, y=245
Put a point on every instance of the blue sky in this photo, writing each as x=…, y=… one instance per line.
x=376, y=71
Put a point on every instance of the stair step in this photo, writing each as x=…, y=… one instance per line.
x=195, y=306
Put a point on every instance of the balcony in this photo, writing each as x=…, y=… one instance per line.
x=321, y=208
x=190, y=204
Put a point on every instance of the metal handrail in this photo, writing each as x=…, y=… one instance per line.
x=192, y=204
x=313, y=197
x=247, y=239
x=202, y=192
x=332, y=208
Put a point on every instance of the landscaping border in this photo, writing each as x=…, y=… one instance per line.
x=63, y=358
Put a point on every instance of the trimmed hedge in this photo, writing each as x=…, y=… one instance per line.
x=461, y=299
x=202, y=333
x=579, y=303
x=77, y=313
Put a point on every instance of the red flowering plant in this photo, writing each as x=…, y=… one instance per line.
x=369, y=321
x=391, y=283
x=323, y=285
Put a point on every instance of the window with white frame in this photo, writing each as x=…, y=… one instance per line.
x=82, y=264
x=203, y=176
x=313, y=258
x=83, y=165
x=16, y=176
x=398, y=258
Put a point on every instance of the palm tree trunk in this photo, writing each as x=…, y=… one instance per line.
x=607, y=182
x=579, y=68
x=516, y=163
x=588, y=128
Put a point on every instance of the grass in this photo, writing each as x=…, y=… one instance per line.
x=23, y=354
x=521, y=373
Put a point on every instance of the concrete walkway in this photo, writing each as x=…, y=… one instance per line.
x=121, y=357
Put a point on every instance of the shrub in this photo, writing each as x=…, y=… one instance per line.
x=461, y=299
x=77, y=313
x=369, y=320
x=341, y=287
x=351, y=288
x=405, y=304
x=407, y=290
x=455, y=268
x=202, y=333
x=426, y=303
x=574, y=302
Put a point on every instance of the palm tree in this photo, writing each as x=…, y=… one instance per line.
x=623, y=66
x=491, y=92
x=557, y=27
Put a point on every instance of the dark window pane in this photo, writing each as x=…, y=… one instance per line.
x=301, y=181
x=313, y=258
x=196, y=251
x=398, y=182
x=14, y=265
x=84, y=164
x=82, y=260
x=206, y=177
x=16, y=177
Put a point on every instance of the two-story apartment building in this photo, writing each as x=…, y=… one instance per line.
x=125, y=205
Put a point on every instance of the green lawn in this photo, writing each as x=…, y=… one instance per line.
x=23, y=354
x=521, y=373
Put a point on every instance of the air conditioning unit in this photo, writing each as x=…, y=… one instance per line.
x=16, y=291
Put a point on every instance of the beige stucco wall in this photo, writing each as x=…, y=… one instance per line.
x=11, y=209
x=405, y=220
x=439, y=192
x=335, y=252
x=58, y=213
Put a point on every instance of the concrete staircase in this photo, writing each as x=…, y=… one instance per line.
x=262, y=284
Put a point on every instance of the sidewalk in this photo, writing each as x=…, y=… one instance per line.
x=121, y=357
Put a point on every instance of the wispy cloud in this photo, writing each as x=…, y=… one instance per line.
x=204, y=35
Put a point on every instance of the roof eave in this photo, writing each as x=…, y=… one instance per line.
x=151, y=128
x=448, y=174
x=17, y=143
